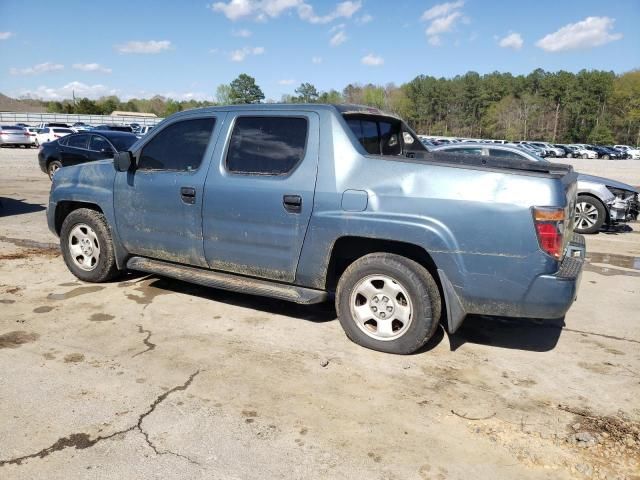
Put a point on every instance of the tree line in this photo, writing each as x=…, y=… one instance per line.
x=591, y=106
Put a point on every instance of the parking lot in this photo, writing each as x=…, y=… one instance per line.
x=148, y=377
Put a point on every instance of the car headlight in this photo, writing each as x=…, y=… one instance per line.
x=620, y=193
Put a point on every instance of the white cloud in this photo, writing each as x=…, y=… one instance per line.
x=243, y=33
x=240, y=54
x=443, y=18
x=513, y=40
x=91, y=67
x=441, y=10
x=443, y=24
x=288, y=81
x=366, y=18
x=434, y=40
x=338, y=39
x=316, y=60
x=37, y=69
x=151, y=46
x=372, y=60
x=262, y=10
x=342, y=10
x=5, y=35
x=67, y=91
x=590, y=32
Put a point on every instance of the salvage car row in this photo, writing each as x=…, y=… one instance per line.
x=545, y=149
x=22, y=135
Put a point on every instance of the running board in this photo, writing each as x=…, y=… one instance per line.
x=228, y=281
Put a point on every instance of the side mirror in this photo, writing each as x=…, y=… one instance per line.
x=123, y=161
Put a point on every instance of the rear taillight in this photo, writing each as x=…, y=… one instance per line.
x=549, y=223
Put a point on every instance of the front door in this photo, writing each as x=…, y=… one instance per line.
x=259, y=194
x=75, y=149
x=158, y=206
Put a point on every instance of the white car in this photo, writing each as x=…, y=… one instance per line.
x=583, y=151
x=33, y=132
x=634, y=152
x=49, y=134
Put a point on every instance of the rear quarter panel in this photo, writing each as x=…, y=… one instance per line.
x=475, y=223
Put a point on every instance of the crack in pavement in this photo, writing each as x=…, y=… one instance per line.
x=82, y=440
x=611, y=337
x=150, y=345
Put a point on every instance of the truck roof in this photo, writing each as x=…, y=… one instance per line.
x=341, y=109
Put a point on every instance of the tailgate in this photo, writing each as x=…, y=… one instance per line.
x=570, y=185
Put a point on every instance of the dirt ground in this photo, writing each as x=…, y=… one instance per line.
x=153, y=378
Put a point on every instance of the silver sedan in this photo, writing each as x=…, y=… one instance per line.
x=11, y=135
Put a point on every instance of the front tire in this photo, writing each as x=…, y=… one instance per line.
x=388, y=303
x=590, y=214
x=87, y=246
x=606, y=157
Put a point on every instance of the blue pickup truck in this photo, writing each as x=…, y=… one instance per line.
x=310, y=202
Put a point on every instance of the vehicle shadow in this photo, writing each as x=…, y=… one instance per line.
x=321, y=312
x=12, y=206
x=533, y=335
x=616, y=229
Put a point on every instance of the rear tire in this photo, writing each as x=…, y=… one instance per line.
x=606, y=157
x=388, y=303
x=590, y=214
x=87, y=246
x=585, y=156
x=52, y=167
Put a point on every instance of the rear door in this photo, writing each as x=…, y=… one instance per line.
x=74, y=149
x=258, y=198
x=158, y=205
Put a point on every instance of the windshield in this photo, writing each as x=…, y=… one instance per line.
x=123, y=143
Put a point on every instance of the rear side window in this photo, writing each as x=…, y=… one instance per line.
x=383, y=135
x=267, y=145
x=494, y=152
x=179, y=147
x=78, y=141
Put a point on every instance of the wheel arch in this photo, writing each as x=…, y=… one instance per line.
x=65, y=207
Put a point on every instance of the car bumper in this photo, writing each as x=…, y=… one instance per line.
x=624, y=210
x=551, y=296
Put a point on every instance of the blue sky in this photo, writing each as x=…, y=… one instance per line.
x=186, y=49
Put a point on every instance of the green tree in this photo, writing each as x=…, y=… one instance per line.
x=601, y=135
x=245, y=90
x=223, y=94
x=307, y=93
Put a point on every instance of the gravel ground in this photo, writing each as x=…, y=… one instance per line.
x=154, y=378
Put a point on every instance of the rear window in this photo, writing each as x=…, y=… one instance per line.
x=62, y=130
x=8, y=128
x=383, y=135
x=267, y=145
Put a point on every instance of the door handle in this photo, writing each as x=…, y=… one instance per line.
x=188, y=195
x=292, y=203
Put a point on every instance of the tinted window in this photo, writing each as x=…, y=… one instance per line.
x=465, y=151
x=6, y=128
x=123, y=142
x=266, y=145
x=179, y=147
x=62, y=130
x=78, y=141
x=506, y=154
x=99, y=143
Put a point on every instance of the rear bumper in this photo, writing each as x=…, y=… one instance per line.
x=551, y=296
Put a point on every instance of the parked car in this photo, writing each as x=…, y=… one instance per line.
x=81, y=148
x=33, y=133
x=552, y=150
x=583, y=152
x=53, y=124
x=49, y=134
x=81, y=127
x=605, y=153
x=297, y=202
x=600, y=200
x=13, y=136
x=633, y=152
x=539, y=151
x=116, y=128
x=570, y=151
x=144, y=130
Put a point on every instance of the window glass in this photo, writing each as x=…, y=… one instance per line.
x=62, y=130
x=78, y=141
x=465, y=151
x=266, y=145
x=390, y=138
x=506, y=154
x=179, y=147
x=99, y=143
